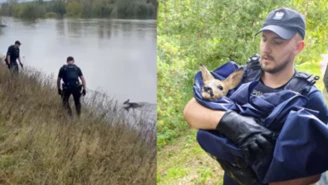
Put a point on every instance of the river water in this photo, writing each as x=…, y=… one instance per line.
x=117, y=57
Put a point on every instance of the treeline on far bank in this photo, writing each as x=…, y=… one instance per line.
x=123, y=9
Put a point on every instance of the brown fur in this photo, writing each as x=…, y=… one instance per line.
x=211, y=89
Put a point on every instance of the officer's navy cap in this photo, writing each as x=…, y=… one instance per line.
x=284, y=22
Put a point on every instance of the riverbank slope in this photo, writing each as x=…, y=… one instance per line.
x=40, y=144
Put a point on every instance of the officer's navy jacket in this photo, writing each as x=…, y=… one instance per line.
x=302, y=145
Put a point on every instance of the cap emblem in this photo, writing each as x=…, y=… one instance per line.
x=278, y=15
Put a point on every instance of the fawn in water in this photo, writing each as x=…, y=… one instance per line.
x=128, y=105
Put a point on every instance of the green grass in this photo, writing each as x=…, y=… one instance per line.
x=185, y=162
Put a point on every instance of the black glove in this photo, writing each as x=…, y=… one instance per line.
x=84, y=92
x=21, y=65
x=241, y=173
x=60, y=91
x=254, y=140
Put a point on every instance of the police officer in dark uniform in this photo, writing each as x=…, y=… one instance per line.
x=283, y=34
x=70, y=74
x=13, y=54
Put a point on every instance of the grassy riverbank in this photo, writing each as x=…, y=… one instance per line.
x=40, y=144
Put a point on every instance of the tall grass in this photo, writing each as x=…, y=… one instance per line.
x=41, y=144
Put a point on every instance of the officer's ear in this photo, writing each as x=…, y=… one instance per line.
x=299, y=44
x=234, y=79
x=300, y=47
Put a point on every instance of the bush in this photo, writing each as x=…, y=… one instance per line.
x=144, y=10
x=86, y=9
x=133, y=9
x=73, y=9
x=51, y=15
x=32, y=11
x=102, y=10
x=58, y=7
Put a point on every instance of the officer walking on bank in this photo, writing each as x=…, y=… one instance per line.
x=70, y=74
x=13, y=54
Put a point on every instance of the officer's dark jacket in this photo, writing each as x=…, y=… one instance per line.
x=13, y=53
x=299, y=117
x=70, y=74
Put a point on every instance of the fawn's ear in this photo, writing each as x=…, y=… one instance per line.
x=127, y=101
x=206, y=74
x=234, y=78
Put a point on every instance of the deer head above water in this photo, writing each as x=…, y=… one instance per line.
x=215, y=88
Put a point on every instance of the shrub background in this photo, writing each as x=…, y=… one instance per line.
x=123, y=9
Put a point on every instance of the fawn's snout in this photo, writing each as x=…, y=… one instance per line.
x=208, y=90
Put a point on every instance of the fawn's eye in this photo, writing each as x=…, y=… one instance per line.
x=220, y=87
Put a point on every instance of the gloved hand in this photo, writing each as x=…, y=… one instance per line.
x=255, y=141
x=60, y=91
x=84, y=92
x=21, y=65
x=241, y=173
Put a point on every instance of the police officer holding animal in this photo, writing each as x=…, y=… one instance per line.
x=70, y=74
x=282, y=39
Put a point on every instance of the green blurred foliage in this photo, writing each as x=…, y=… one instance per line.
x=123, y=9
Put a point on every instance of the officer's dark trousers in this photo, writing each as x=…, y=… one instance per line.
x=227, y=180
x=76, y=95
x=13, y=67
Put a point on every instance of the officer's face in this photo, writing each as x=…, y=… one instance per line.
x=277, y=54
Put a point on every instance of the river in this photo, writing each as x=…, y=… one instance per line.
x=117, y=57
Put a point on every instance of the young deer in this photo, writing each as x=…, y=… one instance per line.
x=128, y=105
x=215, y=88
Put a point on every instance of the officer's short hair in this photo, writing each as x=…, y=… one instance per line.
x=69, y=59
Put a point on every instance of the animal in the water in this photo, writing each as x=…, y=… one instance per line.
x=214, y=88
x=127, y=105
